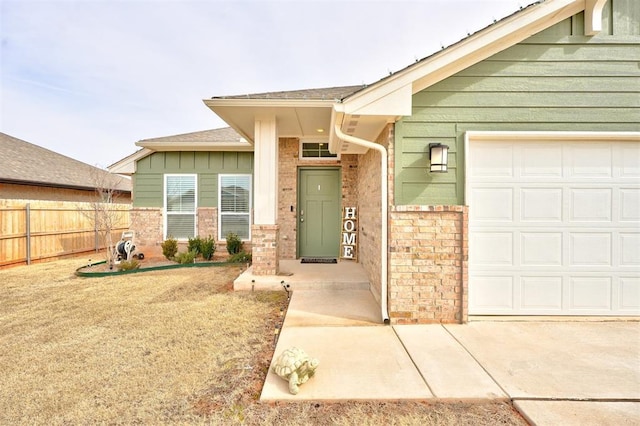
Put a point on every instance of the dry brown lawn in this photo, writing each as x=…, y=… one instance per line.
x=163, y=347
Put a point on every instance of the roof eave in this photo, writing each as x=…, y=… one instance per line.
x=56, y=185
x=195, y=146
x=269, y=103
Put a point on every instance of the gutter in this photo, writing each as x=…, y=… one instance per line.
x=383, y=211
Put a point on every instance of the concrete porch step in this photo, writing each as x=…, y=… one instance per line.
x=309, y=276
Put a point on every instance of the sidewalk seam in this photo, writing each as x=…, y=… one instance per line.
x=424, y=379
x=477, y=362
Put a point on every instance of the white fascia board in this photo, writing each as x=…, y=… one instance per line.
x=127, y=166
x=269, y=103
x=196, y=146
x=469, y=51
x=397, y=102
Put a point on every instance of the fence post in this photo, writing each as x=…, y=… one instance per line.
x=28, y=226
x=96, y=238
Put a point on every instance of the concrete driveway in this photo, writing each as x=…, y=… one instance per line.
x=565, y=372
x=561, y=372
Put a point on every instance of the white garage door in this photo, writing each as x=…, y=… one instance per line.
x=554, y=226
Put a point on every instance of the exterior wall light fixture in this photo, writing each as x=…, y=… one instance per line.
x=438, y=157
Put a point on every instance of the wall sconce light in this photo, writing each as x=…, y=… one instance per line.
x=438, y=157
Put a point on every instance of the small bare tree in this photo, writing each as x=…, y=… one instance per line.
x=102, y=212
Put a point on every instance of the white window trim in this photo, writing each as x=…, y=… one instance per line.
x=195, y=207
x=315, y=159
x=220, y=213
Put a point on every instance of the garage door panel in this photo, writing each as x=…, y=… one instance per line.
x=494, y=162
x=590, y=293
x=559, y=234
x=630, y=204
x=629, y=298
x=589, y=160
x=541, y=205
x=541, y=248
x=590, y=248
x=493, y=248
x=493, y=204
x=541, y=161
x=493, y=293
x=630, y=162
x=591, y=204
x=541, y=293
x=630, y=249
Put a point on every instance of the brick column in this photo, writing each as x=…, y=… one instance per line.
x=264, y=249
x=428, y=263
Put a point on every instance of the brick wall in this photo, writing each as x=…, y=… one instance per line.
x=289, y=149
x=428, y=254
x=369, y=216
x=264, y=240
x=148, y=223
x=207, y=222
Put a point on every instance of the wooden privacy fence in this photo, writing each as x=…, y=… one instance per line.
x=37, y=230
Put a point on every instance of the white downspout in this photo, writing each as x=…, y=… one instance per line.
x=383, y=210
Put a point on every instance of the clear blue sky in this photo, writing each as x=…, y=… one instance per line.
x=89, y=78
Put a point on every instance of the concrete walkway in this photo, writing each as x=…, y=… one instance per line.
x=570, y=373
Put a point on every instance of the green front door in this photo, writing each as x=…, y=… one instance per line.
x=319, y=194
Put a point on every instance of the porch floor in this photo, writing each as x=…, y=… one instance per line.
x=325, y=294
x=344, y=275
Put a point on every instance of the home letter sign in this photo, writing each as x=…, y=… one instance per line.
x=349, y=240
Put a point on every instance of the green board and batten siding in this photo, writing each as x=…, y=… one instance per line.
x=553, y=81
x=148, y=181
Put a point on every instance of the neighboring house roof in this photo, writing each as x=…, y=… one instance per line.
x=224, y=139
x=213, y=136
x=24, y=163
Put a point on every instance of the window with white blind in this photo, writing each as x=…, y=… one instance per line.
x=180, y=206
x=234, y=206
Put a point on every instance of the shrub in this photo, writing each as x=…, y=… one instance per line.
x=207, y=247
x=242, y=257
x=170, y=248
x=129, y=265
x=195, y=244
x=234, y=243
x=186, y=257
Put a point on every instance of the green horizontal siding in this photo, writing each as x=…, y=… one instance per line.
x=148, y=181
x=554, y=81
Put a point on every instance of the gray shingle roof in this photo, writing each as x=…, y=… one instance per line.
x=328, y=93
x=225, y=134
x=24, y=162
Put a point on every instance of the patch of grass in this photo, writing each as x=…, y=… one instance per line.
x=163, y=347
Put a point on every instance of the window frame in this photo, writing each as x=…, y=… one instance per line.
x=315, y=140
x=249, y=177
x=195, y=205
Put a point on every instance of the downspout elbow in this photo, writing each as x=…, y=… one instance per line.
x=383, y=211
